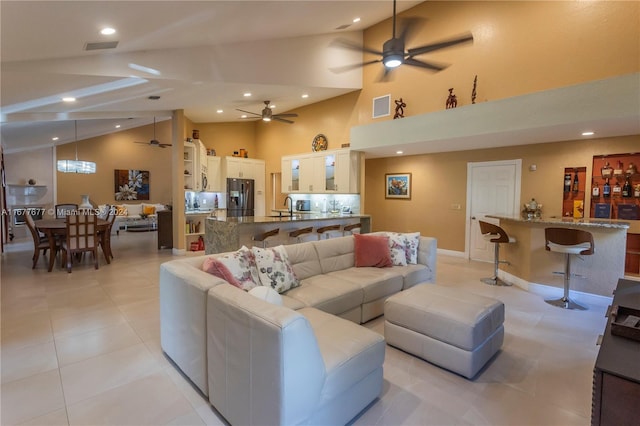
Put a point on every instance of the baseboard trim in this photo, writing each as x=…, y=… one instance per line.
x=451, y=253
x=178, y=252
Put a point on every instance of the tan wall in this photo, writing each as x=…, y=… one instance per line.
x=117, y=151
x=226, y=138
x=440, y=180
x=519, y=47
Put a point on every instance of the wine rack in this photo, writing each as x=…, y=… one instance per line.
x=616, y=206
x=573, y=195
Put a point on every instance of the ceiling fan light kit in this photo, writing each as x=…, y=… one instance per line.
x=76, y=166
x=268, y=115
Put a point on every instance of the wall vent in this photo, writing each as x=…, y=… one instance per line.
x=381, y=106
x=100, y=45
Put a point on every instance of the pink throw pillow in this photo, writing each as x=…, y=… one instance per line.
x=217, y=268
x=372, y=250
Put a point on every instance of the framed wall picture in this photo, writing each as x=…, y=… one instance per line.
x=398, y=185
x=131, y=185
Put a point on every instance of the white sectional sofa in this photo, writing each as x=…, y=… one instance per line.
x=208, y=325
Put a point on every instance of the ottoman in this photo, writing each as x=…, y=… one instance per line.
x=448, y=327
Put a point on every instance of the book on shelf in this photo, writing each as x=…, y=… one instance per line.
x=602, y=211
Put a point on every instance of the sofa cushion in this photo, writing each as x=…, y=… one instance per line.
x=327, y=293
x=304, y=260
x=375, y=283
x=274, y=269
x=133, y=209
x=350, y=352
x=237, y=268
x=414, y=274
x=335, y=254
x=372, y=250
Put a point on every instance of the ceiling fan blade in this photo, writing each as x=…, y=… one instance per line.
x=385, y=75
x=281, y=119
x=249, y=112
x=408, y=27
x=468, y=37
x=428, y=65
x=284, y=115
x=348, y=44
x=144, y=143
x=164, y=145
x=346, y=68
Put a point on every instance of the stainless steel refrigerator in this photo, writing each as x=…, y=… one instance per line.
x=239, y=197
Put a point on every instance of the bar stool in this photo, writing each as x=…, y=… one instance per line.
x=350, y=228
x=300, y=232
x=326, y=229
x=264, y=236
x=494, y=234
x=570, y=242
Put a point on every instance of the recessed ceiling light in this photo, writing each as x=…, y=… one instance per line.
x=247, y=94
x=399, y=152
x=68, y=99
x=305, y=95
x=55, y=138
x=107, y=31
x=117, y=126
x=355, y=20
x=589, y=133
x=243, y=116
x=219, y=111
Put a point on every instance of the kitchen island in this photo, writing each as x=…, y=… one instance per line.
x=231, y=233
x=530, y=263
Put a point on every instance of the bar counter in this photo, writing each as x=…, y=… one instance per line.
x=231, y=233
x=530, y=263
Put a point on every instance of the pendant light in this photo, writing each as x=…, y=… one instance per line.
x=76, y=166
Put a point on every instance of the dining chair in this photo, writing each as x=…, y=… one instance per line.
x=40, y=241
x=82, y=236
x=63, y=210
x=105, y=235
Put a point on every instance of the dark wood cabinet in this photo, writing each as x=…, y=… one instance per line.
x=616, y=376
x=165, y=229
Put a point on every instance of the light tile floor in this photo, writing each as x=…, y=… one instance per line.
x=84, y=349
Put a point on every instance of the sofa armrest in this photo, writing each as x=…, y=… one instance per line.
x=427, y=251
x=265, y=365
x=183, y=299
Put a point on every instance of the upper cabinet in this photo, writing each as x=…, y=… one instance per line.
x=190, y=167
x=335, y=171
x=214, y=175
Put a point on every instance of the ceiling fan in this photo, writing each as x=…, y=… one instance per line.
x=268, y=115
x=154, y=141
x=393, y=52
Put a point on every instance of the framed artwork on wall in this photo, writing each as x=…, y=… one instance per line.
x=398, y=185
x=131, y=184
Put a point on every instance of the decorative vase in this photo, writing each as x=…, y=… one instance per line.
x=85, y=204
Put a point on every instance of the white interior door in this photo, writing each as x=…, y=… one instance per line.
x=492, y=188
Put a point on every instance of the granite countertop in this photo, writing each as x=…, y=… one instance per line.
x=586, y=222
x=306, y=217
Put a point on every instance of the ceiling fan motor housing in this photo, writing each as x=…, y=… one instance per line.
x=393, y=52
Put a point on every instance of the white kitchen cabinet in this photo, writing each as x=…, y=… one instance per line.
x=214, y=175
x=190, y=167
x=335, y=171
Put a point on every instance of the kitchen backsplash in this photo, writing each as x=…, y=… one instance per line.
x=327, y=202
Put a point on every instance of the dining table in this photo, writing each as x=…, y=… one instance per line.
x=56, y=229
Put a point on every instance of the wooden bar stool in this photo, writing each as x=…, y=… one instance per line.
x=569, y=242
x=299, y=233
x=326, y=229
x=264, y=236
x=350, y=228
x=496, y=235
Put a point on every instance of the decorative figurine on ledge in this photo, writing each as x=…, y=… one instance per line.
x=399, y=108
x=452, y=100
x=473, y=92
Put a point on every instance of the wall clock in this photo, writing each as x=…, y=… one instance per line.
x=319, y=143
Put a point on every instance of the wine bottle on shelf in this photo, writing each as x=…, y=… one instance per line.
x=618, y=170
x=617, y=189
x=567, y=182
x=606, y=189
x=576, y=183
x=626, y=188
x=595, y=190
x=606, y=171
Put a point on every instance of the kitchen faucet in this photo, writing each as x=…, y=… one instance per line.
x=290, y=204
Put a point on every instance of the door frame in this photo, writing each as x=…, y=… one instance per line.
x=516, y=198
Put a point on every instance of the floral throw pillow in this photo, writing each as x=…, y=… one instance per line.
x=237, y=268
x=274, y=268
x=397, y=249
x=411, y=248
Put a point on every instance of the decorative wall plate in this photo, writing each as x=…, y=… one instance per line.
x=319, y=143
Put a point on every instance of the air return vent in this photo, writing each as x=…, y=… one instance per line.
x=100, y=45
x=343, y=27
x=381, y=106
